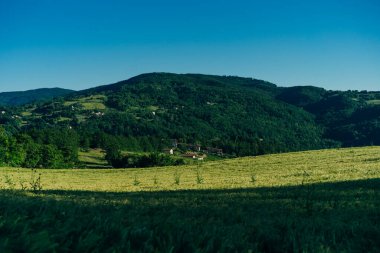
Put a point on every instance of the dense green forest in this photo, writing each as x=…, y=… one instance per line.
x=241, y=116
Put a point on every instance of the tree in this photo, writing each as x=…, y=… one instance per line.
x=33, y=158
x=11, y=153
x=4, y=145
x=52, y=157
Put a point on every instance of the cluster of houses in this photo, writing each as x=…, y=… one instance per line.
x=98, y=114
x=194, y=151
x=13, y=116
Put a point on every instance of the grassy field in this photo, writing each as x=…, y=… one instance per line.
x=374, y=102
x=95, y=102
x=265, y=171
x=93, y=158
x=315, y=201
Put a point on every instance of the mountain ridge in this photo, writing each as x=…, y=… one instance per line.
x=16, y=98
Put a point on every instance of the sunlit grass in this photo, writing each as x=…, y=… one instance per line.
x=374, y=102
x=269, y=170
x=92, y=158
x=93, y=106
x=95, y=102
x=314, y=201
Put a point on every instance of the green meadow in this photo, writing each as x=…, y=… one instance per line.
x=312, y=201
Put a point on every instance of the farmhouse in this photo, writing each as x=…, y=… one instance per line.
x=169, y=151
x=98, y=114
x=190, y=155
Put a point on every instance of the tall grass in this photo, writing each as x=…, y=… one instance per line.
x=316, y=201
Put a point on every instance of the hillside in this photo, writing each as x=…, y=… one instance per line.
x=275, y=170
x=239, y=115
x=221, y=115
x=349, y=117
x=323, y=201
x=17, y=98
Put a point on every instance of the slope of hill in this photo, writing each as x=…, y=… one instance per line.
x=349, y=117
x=17, y=98
x=273, y=170
x=227, y=108
x=239, y=115
x=315, y=201
x=222, y=114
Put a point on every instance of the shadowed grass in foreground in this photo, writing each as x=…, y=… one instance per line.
x=328, y=217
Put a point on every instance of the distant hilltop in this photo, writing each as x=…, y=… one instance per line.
x=16, y=98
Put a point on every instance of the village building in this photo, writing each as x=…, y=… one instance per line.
x=169, y=151
x=190, y=155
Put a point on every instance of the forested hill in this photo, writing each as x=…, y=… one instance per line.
x=241, y=116
x=16, y=98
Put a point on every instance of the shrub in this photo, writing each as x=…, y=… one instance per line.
x=142, y=161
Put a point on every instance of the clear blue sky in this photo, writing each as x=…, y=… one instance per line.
x=79, y=44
